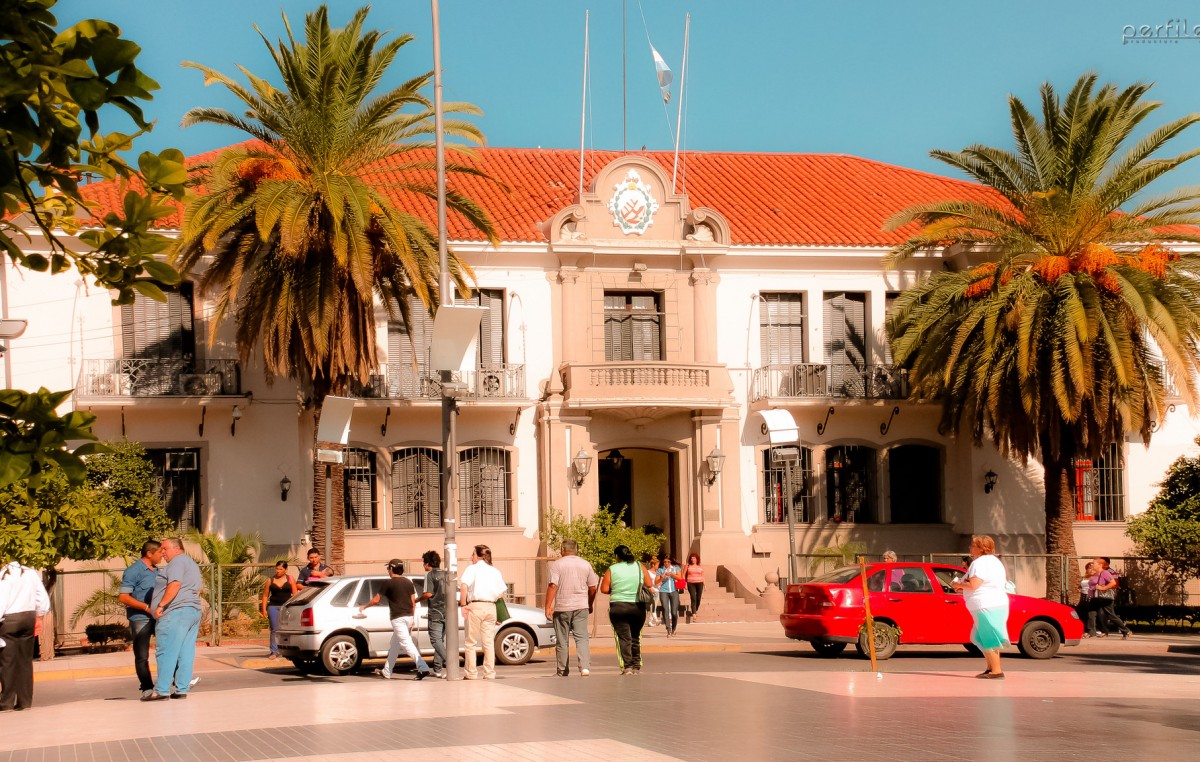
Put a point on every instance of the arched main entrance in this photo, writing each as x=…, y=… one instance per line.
x=640, y=484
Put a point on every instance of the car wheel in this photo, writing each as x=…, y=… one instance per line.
x=340, y=655
x=1039, y=640
x=827, y=647
x=514, y=646
x=885, y=642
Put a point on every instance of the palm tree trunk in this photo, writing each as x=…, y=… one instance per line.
x=336, y=556
x=1060, y=531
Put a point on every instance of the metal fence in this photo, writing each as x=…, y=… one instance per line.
x=232, y=594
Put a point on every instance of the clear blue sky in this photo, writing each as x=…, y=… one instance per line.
x=876, y=78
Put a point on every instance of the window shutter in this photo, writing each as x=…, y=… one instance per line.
x=152, y=329
x=615, y=327
x=781, y=329
x=491, y=329
x=646, y=331
x=889, y=306
x=401, y=377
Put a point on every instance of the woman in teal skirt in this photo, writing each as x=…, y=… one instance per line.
x=984, y=592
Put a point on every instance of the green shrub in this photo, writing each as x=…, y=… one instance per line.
x=598, y=535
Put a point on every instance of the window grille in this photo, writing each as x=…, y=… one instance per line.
x=177, y=481
x=781, y=329
x=783, y=490
x=416, y=488
x=1100, y=487
x=483, y=487
x=632, y=327
x=849, y=476
x=358, y=478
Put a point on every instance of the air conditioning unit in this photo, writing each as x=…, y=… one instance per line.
x=103, y=385
x=200, y=384
x=489, y=383
x=181, y=461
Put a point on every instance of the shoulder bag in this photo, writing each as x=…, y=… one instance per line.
x=502, y=614
x=645, y=596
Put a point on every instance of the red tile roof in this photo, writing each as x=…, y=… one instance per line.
x=769, y=199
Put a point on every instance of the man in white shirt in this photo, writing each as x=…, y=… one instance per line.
x=23, y=603
x=481, y=586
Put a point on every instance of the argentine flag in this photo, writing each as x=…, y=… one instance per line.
x=665, y=78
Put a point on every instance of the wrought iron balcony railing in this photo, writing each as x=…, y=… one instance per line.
x=158, y=377
x=820, y=380
x=505, y=381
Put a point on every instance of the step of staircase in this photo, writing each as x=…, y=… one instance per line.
x=719, y=605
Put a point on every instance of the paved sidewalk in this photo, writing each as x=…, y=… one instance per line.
x=690, y=638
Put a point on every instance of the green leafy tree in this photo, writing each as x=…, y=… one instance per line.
x=598, y=535
x=1169, y=531
x=1062, y=336
x=241, y=586
x=53, y=86
x=299, y=228
x=124, y=476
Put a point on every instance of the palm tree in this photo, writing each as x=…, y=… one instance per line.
x=301, y=224
x=1077, y=311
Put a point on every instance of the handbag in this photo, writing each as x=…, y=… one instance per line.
x=1110, y=594
x=502, y=614
x=645, y=596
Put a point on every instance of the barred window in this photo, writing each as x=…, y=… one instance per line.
x=358, y=476
x=483, y=487
x=787, y=487
x=416, y=488
x=1100, y=487
x=849, y=480
x=177, y=478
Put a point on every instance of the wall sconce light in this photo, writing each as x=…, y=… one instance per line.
x=237, y=416
x=989, y=481
x=615, y=459
x=716, y=461
x=285, y=486
x=583, y=464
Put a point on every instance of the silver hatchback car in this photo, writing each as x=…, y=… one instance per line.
x=318, y=629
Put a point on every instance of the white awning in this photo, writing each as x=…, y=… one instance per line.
x=780, y=427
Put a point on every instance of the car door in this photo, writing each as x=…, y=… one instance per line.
x=956, y=620
x=910, y=602
x=377, y=624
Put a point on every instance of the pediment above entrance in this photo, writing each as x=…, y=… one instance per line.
x=630, y=204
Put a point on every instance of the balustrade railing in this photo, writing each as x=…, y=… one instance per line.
x=158, y=377
x=506, y=381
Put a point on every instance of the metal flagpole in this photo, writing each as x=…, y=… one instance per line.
x=687, y=27
x=624, y=99
x=445, y=298
x=583, y=109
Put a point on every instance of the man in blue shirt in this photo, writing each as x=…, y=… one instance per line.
x=176, y=607
x=137, y=587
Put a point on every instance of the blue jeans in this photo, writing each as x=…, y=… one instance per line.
x=437, y=638
x=670, y=604
x=175, y=649
x=141, y=630
x=273, y=618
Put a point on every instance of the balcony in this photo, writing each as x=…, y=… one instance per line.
x=157, y=377
x=658, y=384
x=491, y=382
x=822, y=381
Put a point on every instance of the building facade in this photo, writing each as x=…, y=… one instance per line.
x=634, y=328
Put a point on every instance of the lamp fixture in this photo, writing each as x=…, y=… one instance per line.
x=716, y=461
x=615, y=459
x=285, y=486
x=583, y=464
x=237, y=416
x=989, y=481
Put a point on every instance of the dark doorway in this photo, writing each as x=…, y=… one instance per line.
x=616, y=484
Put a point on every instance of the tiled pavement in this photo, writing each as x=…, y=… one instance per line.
x=684, y=706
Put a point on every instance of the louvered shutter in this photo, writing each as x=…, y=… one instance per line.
x=403, y=380
x=153, y=329
x=781, y=329
x=646, y=327
x=889, y=305
x=615, y=328
x=845, y=341
x=491, y=330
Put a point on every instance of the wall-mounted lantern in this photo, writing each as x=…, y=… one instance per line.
x=583, y=464
x=989, y=481
x=716, y=461
x=285, y=486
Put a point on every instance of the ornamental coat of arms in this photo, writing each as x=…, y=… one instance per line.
x=632, y=204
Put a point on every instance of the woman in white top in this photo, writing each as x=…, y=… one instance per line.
x=986, y=598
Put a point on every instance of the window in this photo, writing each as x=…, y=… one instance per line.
x=153, y=329
x=177, y=473
x=781, y=329
x=632, y=327
x=483, y=489
x=787, y=487
x=915, y=482
x=846, y=341
x=909, y=579
x=416, y=488
x=849, y=472
x=889, y=302
x=1100, y=487
x=404, y=351
x=359, y=488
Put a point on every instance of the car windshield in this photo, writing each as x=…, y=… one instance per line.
x=838, y=576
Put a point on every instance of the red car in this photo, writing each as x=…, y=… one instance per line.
x=913, y=603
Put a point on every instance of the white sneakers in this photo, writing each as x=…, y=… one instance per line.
x=584, y=672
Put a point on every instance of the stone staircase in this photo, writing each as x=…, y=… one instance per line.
x=719, y=605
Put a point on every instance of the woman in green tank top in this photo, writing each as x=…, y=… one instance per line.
x=627, y=616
